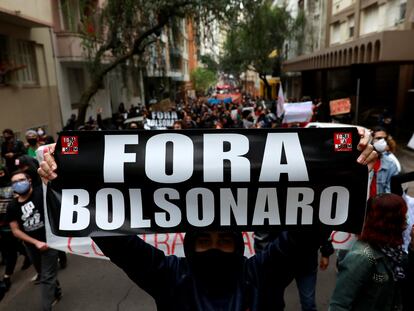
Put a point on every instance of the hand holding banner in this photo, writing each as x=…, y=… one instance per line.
x=127, y=182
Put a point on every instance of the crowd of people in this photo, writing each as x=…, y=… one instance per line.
x=22, y=229
x=376, y=274
x=195, y=113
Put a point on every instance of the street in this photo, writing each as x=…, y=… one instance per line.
x=94, y=284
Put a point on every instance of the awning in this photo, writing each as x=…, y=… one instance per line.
x=375, y=48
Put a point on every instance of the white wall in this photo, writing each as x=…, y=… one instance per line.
x=339, y=5
x=40, y=10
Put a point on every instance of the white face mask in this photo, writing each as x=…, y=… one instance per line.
x=40, y=132
x=380, y=145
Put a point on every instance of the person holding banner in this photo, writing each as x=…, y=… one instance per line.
x=372, y=274
x=214, y=275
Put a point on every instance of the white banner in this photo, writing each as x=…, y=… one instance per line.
x=298, y=112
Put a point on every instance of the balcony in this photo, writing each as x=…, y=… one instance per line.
x=69, y=46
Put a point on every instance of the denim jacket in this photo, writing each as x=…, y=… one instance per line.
x=365, y=282
x=387, y=170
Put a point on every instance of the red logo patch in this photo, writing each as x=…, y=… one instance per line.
x=69, y=144
x=343, y=141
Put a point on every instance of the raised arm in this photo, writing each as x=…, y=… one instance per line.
x=147, y=266
x=144, y=264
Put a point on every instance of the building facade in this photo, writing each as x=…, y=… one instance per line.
x=368, y=55
x=28, y=83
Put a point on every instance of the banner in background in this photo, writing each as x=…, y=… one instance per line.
x=297, y=112
x=161, y=120
x=340, y=106
x=119, y=182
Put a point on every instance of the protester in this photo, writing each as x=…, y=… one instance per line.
x=44, y=139
x=397, y=188
x=371, y=274
x=8, y=242
x=408, y=235
x=384, y=167
x=398, y=180
x=11, y=149
x=408, y=301
x=305, y=265
x=29, y=165
x=178, y=125
x=70, y=123
x=26, y=216
x=385, y=144
x=32, y=143
x=214, y=275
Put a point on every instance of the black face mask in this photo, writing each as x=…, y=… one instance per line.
x=32, y=141
x=216, y=272
x=8, y=138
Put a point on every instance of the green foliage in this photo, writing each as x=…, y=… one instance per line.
x=203, y=78
x=209, y=62
x=123, y=29
x=263, y=30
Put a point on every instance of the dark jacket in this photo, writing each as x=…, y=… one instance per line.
x=365, y=282
x=307, y=259
x=169, y=280
x=16, y=147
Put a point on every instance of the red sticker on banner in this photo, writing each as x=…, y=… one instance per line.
x=69, y=144
x=343, y=141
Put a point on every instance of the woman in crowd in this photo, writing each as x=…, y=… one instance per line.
x=372, y=274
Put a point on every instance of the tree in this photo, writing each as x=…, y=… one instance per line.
x=249, y=46
x=123, y=29
x=232, y=61
x=203, y=78
x=209, y=61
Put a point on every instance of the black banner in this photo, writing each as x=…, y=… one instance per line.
x=123, y=182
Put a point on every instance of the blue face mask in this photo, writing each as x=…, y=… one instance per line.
x=21, y=187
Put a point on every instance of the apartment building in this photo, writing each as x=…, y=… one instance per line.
x=28, y=84
x=73, y=71
x=367, y=54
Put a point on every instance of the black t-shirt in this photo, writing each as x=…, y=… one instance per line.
x=29, y=214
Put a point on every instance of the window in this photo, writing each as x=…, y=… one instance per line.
x=335, y=33
x=403, y=10
x=17, y=62
x=351, y=27
x=4, y=59
x=25, y=56
x=70, y=15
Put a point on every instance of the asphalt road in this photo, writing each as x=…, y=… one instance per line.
x=97, y=285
